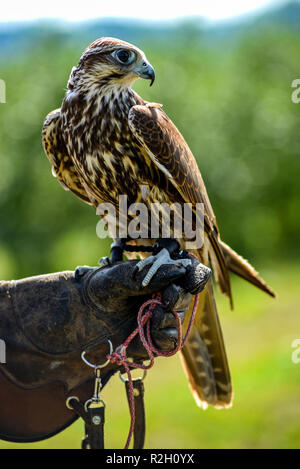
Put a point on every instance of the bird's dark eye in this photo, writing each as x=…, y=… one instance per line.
x=124, y=56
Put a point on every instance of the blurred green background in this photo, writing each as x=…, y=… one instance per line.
x=228, y=89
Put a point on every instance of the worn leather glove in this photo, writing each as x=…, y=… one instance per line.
x=115, y=292
x=47, y=321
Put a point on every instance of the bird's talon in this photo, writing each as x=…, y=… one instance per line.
x=157, y=260
x=104, y=261
x=135, y=271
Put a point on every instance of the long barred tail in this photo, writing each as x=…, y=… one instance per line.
x=204, y=357
x=239, y=266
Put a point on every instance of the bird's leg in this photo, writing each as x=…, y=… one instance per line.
x=116, y=250
x=116, y=253
x=162, y=252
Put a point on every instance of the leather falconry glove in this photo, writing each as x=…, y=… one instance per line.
x=47, y=321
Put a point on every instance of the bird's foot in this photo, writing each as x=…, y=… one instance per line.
x=117, y=250
x=157, y=260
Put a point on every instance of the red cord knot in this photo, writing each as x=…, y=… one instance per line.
x=117, y=358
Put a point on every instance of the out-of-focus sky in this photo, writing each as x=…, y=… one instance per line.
x=16, y=10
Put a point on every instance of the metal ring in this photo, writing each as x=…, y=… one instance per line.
x=90, y=401
x=141, y=378
x=97, y=366
x=69, y=406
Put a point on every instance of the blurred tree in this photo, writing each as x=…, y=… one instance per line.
x=233, y=107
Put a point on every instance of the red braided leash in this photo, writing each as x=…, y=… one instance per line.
x=119, y=355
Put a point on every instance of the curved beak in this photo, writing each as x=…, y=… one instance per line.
x=146, y=71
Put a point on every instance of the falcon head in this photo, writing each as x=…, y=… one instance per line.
x=110, y=62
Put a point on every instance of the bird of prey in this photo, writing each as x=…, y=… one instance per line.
x=104, y=141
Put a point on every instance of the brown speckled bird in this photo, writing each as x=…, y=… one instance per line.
x=105, y=141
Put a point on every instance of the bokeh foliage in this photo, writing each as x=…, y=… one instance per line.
x=231, y=101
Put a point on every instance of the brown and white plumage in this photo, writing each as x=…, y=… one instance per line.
x=106, y=141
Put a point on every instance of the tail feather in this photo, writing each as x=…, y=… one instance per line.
x=220, y=269
x=239, y=266
x=199, y=370
x=204, y=356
